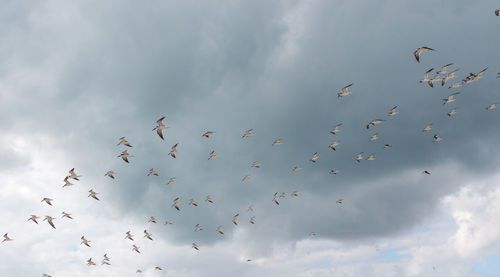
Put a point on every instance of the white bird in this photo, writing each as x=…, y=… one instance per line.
x=393, y=111
x=147, y=235
x=452, y=112
x=138, y=271
x=275, y=199
x=359, y=157
x=340, y=201
x=110, y=174
x=198, y=227
x=373, y=137
x=252, y=220
x=33, y=218
x=426, y=76
x=209, y=199
x=158, y=268
x=387, y=146
x=314, y=157
x=195, y=246
x=106, y=258
x=434, y=79
x=135, y=248
x=250, y=208
x=248, y=133
x=67, y=183
x=295, y=193
x=208, y=134
x=443, y=69
x=129, y=236
x=283, y=194
x=85, y=241
x=90, y=262
x=65, y=214
x=296, y=168
x=277, y=142
x=450, y=98
x=491, y=107
x=374, y=122
x=6, y=237
x=219, y=229
x=47, y=200
x=455, y=85
x=173, y=151
x=168, y=222
x=420, y=51
x=193, y=202
x=152, y=172
x=93, y=194
x=450, y=76
x=152, y=219
x=436, y=138
x=247, y=177
x=497, y=12
x=73, y=175
x=334, y=172
x=371, y=157
x=161, y=126
x=171, y=181
x=333, y=145
x=235, y=219
x=427, y=128
x=125, y=155
x=255, y=164
x=176, y=204
x=50, y=221
x=124, y=142
x=335, y=129
x=212, y=155
x=345, y=91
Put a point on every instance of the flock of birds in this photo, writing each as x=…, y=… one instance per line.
x=442, y=76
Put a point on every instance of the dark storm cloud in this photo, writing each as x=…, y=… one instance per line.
x=226, y=67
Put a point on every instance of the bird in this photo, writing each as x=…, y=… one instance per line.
x=50, y=221
x=248, y=133
x=173, y=151
x=387, y=146
x=193, y=202
x=333, y=145
x=85, y=241
x=158, y=268
x=296, y=168
x=371, y=157
x=67, y=183
x=426, y=172
x=6, y=238
x=46, y=275
x=209, y=199
x=443, y=69
x=427, y=128
x=359, y=157
x=105, y=262
x=212, y=155
x=161, y=126
x=335, y=129
x=497, y=12
x=110, y=174
x=33, y=218
x=420, y=51
x=250, y=208
x=249, y=260
x=176, y=204
x=255, y=164
x=152, y=219
x=93, y=194
x=275, y=198
x=208, y=134
x=373, y=137
x=47, y=200
x=195, y=246
x=426, y=76
x=452, y=112
x=314, y=157
x=283, y=194
x=138, y=271
x=129, y=236
x=65, y=214
x=393, y=111
x=171, y=181
x=135, y=248
x=198, y=227
x=90, y=262
x=450, y=98
x=339, y=201
x=491, y=107
x=295, y=193
x=106, y=258
x=436, y=138
x=73, y=175
x=433, y=80
x=147, y=235
x=455, y=85
x=125, y=155
x=450, y=76
x=374, y=122
x=345, y=91
x=152, y=172
x=334, y=172
x=168, y=222
x=219, y=229
x=276, y=142
x=252, y=220
x=124, y=142
x=235, y=218
x=247, y=177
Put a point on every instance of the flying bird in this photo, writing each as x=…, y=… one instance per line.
x=67, y=183
x=125, y=155
x=152, y=219
x=275, y=198
x=129, y=236
x=277, y=142
x=209, y=199
x=212, y=155
x=65, y=214
x=491, y=107
x=339, y=201
x=334, y=172
x=427, y=128
x=393, y=111
x=47, y=200
x=198, y=227
x=136, y=249
x=370, y=157
x=85, y=241
x=374, y=122
x=450, y=98
x=420, y=51
x=33, y=218
x=208, y=134
x=443, y=69
x=295, y=193
x=110, y=174
x=152, y=172
x=426, y=172
x=147, y=235
x=171, y=181
x=248, y=133
x=161, y=126
x=255, y=164
x=219, y=229
x=296, y=168
x=195, y=246
x=333, y=145
x=345, y=91
x=176, y=204
x=452, y=112
x=247, y=177
x=50, y=221
x=252, y=220
x=235, y=218
x=436, y=138
x=497, y=12
x=90, y=262
x=426, y=76
x=173, y=151
x=93, y=194
x=6, y=238
x=335, y=129
x=314, y=157
x=73, y=175
x=124, y=142
x=193, y=202
x=373, y=137
x=450, y=76
x=359, y=157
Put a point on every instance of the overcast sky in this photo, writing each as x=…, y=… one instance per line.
x=75, y=76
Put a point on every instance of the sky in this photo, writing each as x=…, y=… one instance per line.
x=76, y=76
